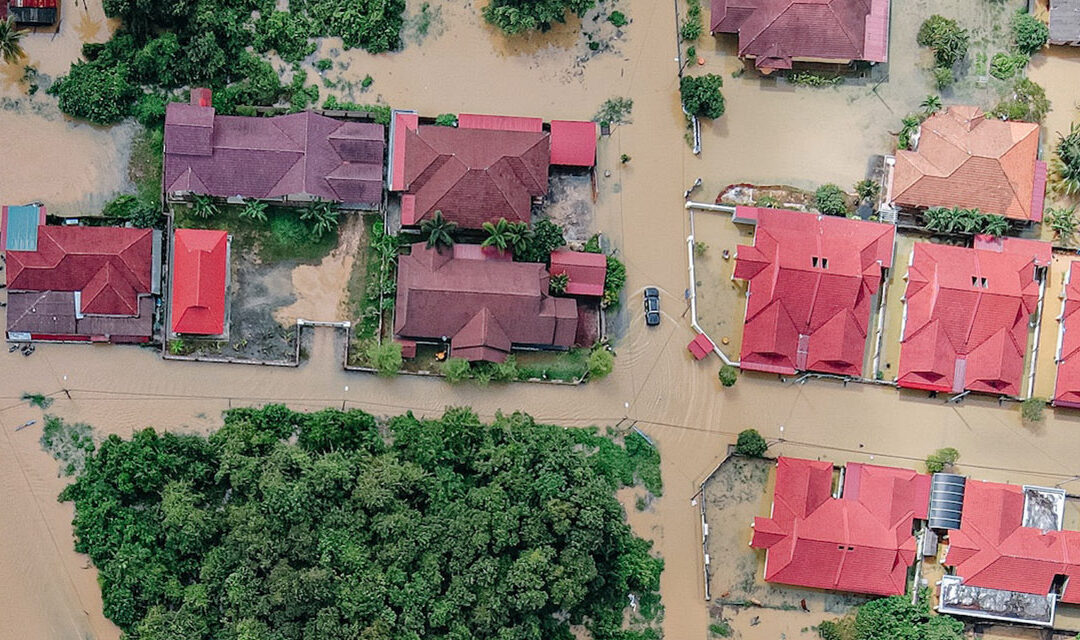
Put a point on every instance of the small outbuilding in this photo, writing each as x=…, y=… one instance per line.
x=585, y=271
x=200, y=278
x=573, y=143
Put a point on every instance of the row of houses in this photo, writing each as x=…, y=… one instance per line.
x=76, y=283
x=861, y=528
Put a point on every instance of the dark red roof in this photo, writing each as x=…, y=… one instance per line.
x=289, y=155
x=499, y=123
x=775, y=32
x=966, y=316
x=200, y=271
x=475, y=175
x=861, y=542
x=811, y=281
x=573, y=143
x=50, y=315
x=483, y=306
x=992, y=550
x=586, y=271
x=111, y=267
x=1067, y=388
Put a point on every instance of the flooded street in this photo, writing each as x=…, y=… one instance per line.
x=464, y=66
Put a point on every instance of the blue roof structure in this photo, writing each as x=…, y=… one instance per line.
x=20, y=227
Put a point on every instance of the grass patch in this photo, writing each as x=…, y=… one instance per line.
x=568, y=366
x=283, y=236
x=146, y=165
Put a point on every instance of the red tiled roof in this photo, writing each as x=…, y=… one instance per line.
x=992, y=550
x=811, y=281
x=475, y=175
x=402, y=122
x=861, y=542
x=499, y=123
x=573, y=143
x=775, y=32
x=289, y=155
x=1067, y=388
x=966, y=317
x=965, y=159
x=200, y=271
x=110, y=266
x=586, y=271
x=484, y=306
x=700, y=346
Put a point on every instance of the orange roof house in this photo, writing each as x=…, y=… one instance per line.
x=964, y=159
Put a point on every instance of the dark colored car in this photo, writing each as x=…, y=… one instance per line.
x=652, y=306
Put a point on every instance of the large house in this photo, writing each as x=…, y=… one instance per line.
x=966, y=314
x=297, y=157
x=776, y=34
x=811, y=282
x=859, y=542
x=84, y=284
x=483, y=304
x=964, y=159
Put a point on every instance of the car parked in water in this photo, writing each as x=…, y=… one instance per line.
x=652, y=306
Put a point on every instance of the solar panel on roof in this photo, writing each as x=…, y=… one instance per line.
x=946, y=500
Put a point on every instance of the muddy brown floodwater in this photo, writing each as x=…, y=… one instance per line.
x=49, y=591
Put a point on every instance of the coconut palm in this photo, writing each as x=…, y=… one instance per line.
x=439, y=230
x=10, y=49
x=501, y=234
x=931, y=104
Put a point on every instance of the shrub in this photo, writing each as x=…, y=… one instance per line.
x=455, y=369
x=1005, y=65
x=97, y=93
x=601, y=363
x=701, y=95
x=1027, y=102
x=693, y=25
x=446, y=120
x=1066, y=162
x=614, y=111
x=941, y=460
x=254, y=210
x=943, y=77
x=867, y=189
x=728, y=375
x=750, y=444
x=131, y=209
x=559, y=282
x=506, y=370
x=546, y=237
x=1062, y=221
x=946, y=38
x=324, y=64
x=367, y=81
x=385, y=357
x=1029, y=33
x=1031, y=410
x=149, y=109
x=322, y=216
x=719, y=629
x=618, y=18
x=831, y=200
x=39, y=400
x=768, y=202
x=810, y=79
x=518, y=16
x=614, y=281
x=700, y=249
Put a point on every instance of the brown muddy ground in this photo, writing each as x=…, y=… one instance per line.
x=465, y=66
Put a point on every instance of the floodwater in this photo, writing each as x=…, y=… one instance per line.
x=321, y=289
x=462, y=65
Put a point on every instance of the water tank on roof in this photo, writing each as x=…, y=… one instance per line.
x=946, y=500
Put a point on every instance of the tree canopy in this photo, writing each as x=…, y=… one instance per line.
x=328, y=525
x=519, y=16
x=701, y=95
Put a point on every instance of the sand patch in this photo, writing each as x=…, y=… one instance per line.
x=321, y=290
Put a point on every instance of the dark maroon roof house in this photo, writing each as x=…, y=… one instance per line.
x=482, y=304
x=300, y=156
x=775, y=33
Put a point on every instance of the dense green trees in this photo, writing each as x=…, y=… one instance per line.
x=1027, y=101
x=894, y=618
x=328, y=525
x=519, y=16
x=164, y=45
x=546, y=237
x=751, y=443
x=701, y=95
x=949, y=43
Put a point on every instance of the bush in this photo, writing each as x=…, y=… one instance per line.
x=867, y=189
x=149, y=109
x=614, y=111
x=896, y=618
x=97, y=93
x=385, y=357
x=943, y=77
x=750, y=444
x=546, y=237
x=446, y=120
x=518, y=16
x=720, y=629
x=946, y=38
x=506, y=370
x=558, y=283
x=693, y=25
x=831, y=200
x=1006, y=65
x=131, y=209
x=601, y=363
x=728, y=375
x=39, y=400
x=618, y=19
x=941, y=460
x=701, y=95
x=324, y=64
x=1027, y=102
x=1029, y=33
x=1062, y=221
x=367, y=81
x=1031, y=410
x=614, y=281
x=455, y=369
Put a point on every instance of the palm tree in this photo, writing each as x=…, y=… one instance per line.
x=520, y=237
x=254, y=210
x=501, y=234
x=203, y=207
x=931, y=104
x=439, y=231
x=1067, y=163
x=1063, y=222
x=995, y=225
x=323, y=217
x=559, y=282
x=10, y=49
